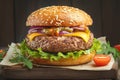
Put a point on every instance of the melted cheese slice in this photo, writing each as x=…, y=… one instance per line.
x=84, y=35
x=33, y=35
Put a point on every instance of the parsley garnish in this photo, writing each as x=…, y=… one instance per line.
x=21, y=59
x=107, y=49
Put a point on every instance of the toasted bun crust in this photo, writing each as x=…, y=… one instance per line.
x=58, y=16
x=66, y=62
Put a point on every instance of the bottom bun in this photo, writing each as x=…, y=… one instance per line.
x=66, y=62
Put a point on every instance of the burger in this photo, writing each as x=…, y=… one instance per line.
x=59, y=35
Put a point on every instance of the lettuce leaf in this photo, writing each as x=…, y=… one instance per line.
x=26, y=53
x=46, y=55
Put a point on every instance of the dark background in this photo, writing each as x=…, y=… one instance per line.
x=13, y=14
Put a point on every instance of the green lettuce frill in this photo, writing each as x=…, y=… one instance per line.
x=45, y=55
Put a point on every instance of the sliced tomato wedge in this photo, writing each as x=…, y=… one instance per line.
x=117, y=47
x=101, y=59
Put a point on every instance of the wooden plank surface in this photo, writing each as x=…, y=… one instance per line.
x=17, y=72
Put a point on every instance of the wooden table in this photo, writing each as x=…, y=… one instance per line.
x=16, y=72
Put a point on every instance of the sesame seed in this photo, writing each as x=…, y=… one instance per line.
x=45, y=14
x=51, y=21
x=46, y=22
x=47, y=19
x=71, y=21
x=39, y=12
x=42, y=21
x=57, y=24
x=56, y=16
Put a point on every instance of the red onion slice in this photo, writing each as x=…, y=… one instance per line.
x=31, y=31
x=64, y=32
x=79, y=28
x=35, y=29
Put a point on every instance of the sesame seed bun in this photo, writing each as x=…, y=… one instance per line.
x=59, y=16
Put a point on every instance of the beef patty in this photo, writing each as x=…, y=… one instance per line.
x=59, y=43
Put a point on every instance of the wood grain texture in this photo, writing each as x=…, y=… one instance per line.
x=41, y=73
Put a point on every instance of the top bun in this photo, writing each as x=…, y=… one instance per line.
x=59, y=16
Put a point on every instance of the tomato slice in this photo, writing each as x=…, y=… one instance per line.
x=117, y=47
x=101, y=59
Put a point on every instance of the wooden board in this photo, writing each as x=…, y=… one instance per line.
x=17, y=72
